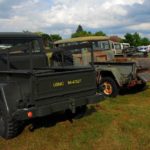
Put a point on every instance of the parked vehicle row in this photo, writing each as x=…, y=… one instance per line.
x=77, y=72
x=114, y=72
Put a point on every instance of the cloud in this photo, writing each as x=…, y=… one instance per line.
x=86, y=12
x=63, y=16
x=138, y=18
x=141, y=26
x=6, y=7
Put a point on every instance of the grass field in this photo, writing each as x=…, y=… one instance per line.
x=122, y=123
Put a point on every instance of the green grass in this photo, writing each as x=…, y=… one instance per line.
x=121, y=123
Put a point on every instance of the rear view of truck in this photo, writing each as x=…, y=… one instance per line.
x=54, y=90
x=30, y=89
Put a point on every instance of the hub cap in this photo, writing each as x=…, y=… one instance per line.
x=107, y=88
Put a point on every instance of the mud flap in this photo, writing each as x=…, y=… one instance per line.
x=144, y=76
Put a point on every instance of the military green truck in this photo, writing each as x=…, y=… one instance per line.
x=30, y=89
x=113, y=73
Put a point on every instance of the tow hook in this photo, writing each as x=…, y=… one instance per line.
x=72, y=105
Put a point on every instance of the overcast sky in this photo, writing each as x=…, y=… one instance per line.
x=115, y=17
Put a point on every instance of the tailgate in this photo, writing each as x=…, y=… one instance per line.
x=143, y=62
x=64, y=83
x=144, y=76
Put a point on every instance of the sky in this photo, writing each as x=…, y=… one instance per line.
x=62, y=17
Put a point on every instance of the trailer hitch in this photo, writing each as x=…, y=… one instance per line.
x=72, y=105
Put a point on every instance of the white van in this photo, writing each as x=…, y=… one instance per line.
x=142, y=48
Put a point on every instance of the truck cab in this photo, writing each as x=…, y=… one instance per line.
x=102, y=45
x=20, y=45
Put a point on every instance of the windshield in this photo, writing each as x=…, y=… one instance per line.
x=117, y=46
x=19, y=45
x=101, y=45
x=125, y=46
x=97, y=45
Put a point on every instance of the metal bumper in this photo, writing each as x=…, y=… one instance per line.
x=33, y=112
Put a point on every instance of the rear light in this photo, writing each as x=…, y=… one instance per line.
x=30, y=114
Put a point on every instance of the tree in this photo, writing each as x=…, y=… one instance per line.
x=45, y=38
x=129, y=39
x=145, y=41
x=80, y=32
x=135, y=39
x=48, y=39
x=100, y=33
x=79, y=29
x=55, y=37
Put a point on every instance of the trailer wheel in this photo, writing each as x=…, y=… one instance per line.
x=8, y=127
x=108, y=87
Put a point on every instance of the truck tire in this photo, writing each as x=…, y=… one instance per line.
x=108, y=87
x=8, y=127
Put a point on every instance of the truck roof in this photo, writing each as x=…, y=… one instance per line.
x=82, y=39
x=18, y=35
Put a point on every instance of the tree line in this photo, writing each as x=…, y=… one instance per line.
x=133, y=38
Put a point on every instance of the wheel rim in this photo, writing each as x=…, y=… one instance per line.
x=107, y=88
x=2, y=126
